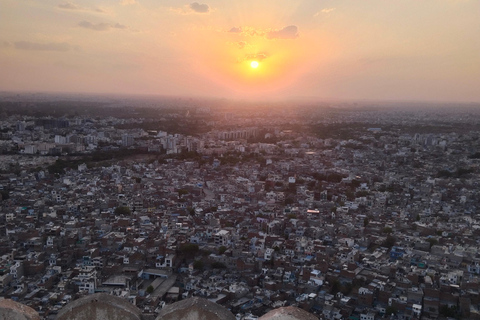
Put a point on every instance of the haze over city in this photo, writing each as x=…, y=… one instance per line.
x=380, y=50
x=239, y=160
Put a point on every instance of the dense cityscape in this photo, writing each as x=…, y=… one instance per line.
x=348, y=210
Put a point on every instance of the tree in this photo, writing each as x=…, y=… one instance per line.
x=387, y=230
x=222, y=250
x=347, y=288
x=122, y=211
x=389, y=242
x=361, y=193
x=182, y=192
x=4, y=195
x=198, y=265
x=335, y=287
x=189, y=249
x=350, y=195
x=390, y=310
x=291, y=216
x=366, y=221
x=149, y=289
x=218, y=265
x=447, y=311
x=432, y=241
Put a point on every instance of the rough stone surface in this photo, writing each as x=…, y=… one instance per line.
x=288, y=313
x=195, y=309
x=102, y=306
x=99, y=306
x=11, y=310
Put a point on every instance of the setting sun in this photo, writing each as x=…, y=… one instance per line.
x=254, y=64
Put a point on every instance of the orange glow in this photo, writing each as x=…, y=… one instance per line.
x=253, y=65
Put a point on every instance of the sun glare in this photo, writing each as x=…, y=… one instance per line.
x=254, y=64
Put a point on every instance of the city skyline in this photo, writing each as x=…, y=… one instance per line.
x=408, y=50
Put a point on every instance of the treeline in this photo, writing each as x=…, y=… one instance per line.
x=343, y=131
x=460, y=172
x=332, y=177
x=72, y=162
x=189, y=127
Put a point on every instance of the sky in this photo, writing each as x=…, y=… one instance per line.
x=310, y=49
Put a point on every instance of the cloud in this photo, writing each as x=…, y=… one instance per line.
x=324, y=11
x=127, y=2
x=74, y=7
x=246, y=31
x=199, y=7
x=235, y=30
x=119, y=26
x=241, y=44
x=94, y=26
x=290, y=32
x=69, y=6
x=34, y=46
x=101, y=26
x=192, y=8
x=256, y=56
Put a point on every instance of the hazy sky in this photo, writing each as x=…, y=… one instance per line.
x=343, y=49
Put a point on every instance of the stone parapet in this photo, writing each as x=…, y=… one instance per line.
x=101, y=306
x=11, y=310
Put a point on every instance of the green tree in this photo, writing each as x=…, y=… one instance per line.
x=432, y=241
x=189, y=249
x=218, y=265
x=182, y=192
x=4, y=195
x=366, y=221
x=198, y=265
x=389, y=242
x=450, y=312
x=361, y=193
x=390, y=310
x=387, y=230
x=122, y=211
x=149, y=289
x=222, y=250
x=335, y=287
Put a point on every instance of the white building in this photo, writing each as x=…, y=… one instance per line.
x=222, y=238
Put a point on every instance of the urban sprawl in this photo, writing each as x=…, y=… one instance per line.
x=346, y=211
